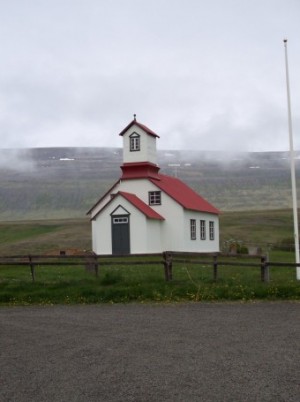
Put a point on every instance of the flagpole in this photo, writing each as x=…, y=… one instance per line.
x=292, y=160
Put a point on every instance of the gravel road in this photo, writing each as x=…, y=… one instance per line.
x=161, y=352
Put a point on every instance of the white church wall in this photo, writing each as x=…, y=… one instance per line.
x=138, y=228
x=138, y=231
x=154, y=240
x=139, y=187
x=147, y=147
x=101, y=239
x=201, y=245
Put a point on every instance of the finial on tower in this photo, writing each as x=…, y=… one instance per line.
x=134, y=117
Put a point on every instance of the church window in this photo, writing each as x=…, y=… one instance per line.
x=135, y=142
x=202, y=230
x=193, y=229
x=211, y=230
x=154, y=198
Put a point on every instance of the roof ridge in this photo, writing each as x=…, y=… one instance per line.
x=142, y=126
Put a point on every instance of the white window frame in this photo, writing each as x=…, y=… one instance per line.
x=120, y=220
x=211, y=230
x=202, y=229
x=154, y=197
x=193, y=227
x=134, y=142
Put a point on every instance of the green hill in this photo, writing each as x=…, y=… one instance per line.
x=56, y=183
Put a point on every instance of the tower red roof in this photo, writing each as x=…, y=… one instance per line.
x=142, y=126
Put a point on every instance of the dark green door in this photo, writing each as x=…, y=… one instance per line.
x=120, y=235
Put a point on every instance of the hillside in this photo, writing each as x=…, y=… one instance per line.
x=51, y=183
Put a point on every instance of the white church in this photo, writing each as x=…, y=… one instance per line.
x=149, y=212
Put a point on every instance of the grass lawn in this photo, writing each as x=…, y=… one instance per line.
x=143, y=283
x=123, y=283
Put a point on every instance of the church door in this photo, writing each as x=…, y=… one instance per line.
x=120, y=235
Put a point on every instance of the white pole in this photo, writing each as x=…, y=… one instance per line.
x=292, y=159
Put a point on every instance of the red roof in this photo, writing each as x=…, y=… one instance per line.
x=183, y=194
x=172, y=186
x=140, y=205
x=142, y=126
x=136, y=202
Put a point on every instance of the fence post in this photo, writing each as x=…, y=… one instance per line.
x=96, y=266
x=168, y=266
x=31, y=268
x=264, y=269
x=215, y=265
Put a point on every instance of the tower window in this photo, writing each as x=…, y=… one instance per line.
x=135, y=142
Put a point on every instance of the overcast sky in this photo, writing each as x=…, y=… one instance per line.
x=201, y=74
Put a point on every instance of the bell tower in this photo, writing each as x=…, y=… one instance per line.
x=139, y=151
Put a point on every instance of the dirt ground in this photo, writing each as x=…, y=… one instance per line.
x=161, y=352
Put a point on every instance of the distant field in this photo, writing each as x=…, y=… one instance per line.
x=39, y=236
x=257, y=228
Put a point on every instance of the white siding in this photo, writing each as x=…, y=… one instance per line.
x=147, y=151
x=144, y=233
x=150, y=236
x=154, y=242
x=198, y=245
x=102, y=243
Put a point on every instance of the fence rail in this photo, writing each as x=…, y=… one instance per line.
x=167, y=259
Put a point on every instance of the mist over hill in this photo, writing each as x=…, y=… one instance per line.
x=50, y=183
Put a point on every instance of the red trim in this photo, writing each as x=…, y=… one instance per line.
x=142, y=126
x=138, y=170
x=137, y=203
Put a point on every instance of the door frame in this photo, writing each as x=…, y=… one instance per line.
x=124, y=220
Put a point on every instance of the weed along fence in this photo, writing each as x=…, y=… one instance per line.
x=216, y=261
x=168, y=260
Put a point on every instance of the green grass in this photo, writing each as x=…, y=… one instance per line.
x=13, y=233
x=72, y=285
x=120, y=283
x=258, y=228
x=43, y=236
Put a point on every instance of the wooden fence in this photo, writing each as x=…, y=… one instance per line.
x=93, y=262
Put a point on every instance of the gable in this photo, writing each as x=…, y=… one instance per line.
x=133, y=200
x=142, y=126
x=120, y=210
